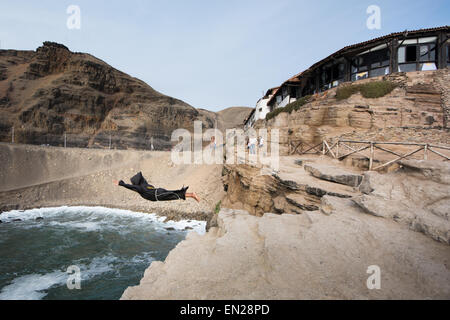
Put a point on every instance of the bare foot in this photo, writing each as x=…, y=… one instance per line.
x=116, y=182
x=195, y=196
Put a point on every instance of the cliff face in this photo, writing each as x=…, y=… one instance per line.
x=52, y=91
x=417, y=110
x=308, y=256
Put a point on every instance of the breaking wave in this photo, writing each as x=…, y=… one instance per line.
x=111, y=247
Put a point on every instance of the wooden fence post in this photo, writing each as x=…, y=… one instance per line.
x=371, y=156
x=337, y=150
x=425, y=152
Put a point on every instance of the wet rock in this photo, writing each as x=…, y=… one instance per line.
x=39, y=219
x=17, y=220
x=170, y=229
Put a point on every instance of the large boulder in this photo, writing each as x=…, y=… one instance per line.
x=334, y=174
x=418, y=196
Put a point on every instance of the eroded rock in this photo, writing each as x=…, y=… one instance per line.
x=308, y=256
x=334, y=174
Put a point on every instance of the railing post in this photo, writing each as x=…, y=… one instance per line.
x=65, y=140
x=337, y=150
x=323, y=148
x=371, y=156
x=12, y=135
x=425, y=152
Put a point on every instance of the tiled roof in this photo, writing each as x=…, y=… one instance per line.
x=295, y=79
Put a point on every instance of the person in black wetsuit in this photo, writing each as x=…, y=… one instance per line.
x=149, y=192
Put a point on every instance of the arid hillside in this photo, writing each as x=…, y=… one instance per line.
x=233, y=117
x=36, y=177
x=52, y=91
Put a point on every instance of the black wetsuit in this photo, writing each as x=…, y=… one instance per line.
x=149, y=192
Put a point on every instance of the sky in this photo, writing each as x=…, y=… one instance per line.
x=211, y=54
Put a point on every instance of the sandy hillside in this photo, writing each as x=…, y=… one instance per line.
x=39, y=176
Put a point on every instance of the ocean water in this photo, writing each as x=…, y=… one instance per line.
x=112, y=248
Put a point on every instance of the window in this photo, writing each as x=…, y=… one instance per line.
x=309, y=88
x=417, y=55
x=332, y=75
x=279, y=99
x=371, y=63
x=293, y=92
x=411, y=54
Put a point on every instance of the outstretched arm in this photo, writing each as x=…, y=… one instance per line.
x=128, y=186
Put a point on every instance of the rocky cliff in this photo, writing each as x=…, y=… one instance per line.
x=418, y=110
x=308, y=256
x=52, y=91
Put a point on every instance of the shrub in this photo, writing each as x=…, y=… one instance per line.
x=346, y=92
x=370, y=90
x=217, y=209
x=294, y=106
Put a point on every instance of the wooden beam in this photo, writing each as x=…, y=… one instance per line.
x=439, y=147
x=329, y=149
x=312, y=148
x=372, y=152
x=388, y=151
x=349, y=154
x=398, y=159
x=438, y=153
x=353, y=149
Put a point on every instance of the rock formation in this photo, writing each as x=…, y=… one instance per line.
x=417, y=195
x=52, y=91
x=309, y=256
x=417, y=110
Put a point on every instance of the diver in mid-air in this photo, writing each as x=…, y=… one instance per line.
x=149, y=192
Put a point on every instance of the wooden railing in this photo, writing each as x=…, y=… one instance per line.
x=342, y=149
x=301, y=147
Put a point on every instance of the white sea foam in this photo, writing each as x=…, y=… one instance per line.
x=96, y=218
x=85, y=219
x=33, y=286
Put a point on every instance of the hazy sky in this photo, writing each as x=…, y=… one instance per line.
x=212, y=54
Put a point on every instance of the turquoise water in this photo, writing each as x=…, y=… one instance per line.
x=112, y=248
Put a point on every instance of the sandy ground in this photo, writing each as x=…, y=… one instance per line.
x=34, y=177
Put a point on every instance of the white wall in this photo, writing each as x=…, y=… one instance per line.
x=262, y=104
x=285, y=102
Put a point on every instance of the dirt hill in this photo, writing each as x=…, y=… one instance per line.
x=52, y=91
x=234, y=117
